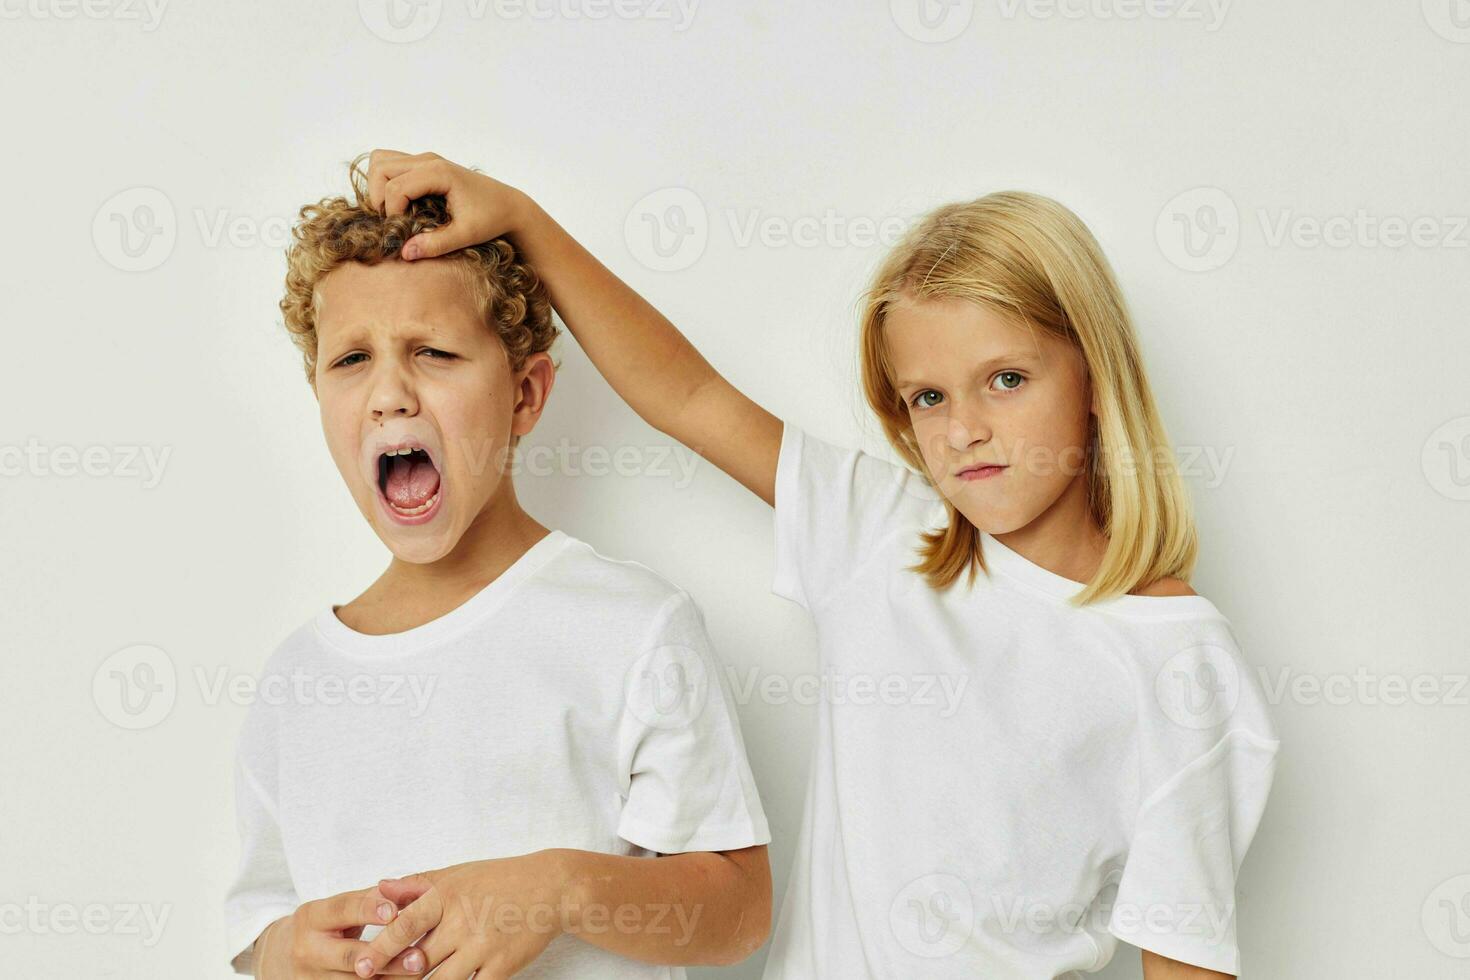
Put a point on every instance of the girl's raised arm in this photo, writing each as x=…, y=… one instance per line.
x=649, y=363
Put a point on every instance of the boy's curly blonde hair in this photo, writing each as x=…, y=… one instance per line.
x=510, y=296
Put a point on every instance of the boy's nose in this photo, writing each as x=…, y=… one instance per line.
x=392, y=395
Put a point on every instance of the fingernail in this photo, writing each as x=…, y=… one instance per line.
x=364, y=967
x=414, y=961
x=385, y=912
x=411, y=251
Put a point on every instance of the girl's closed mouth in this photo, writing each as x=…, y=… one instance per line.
x=980, y=471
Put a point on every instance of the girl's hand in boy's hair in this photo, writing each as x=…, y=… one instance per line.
x=322, y=939
x=650, y=364
x=480, y=207
x=489, y=918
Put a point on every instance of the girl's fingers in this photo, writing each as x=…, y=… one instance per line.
x=428, y=177
x=384, y=165
x=429, y=244
x=380, y=162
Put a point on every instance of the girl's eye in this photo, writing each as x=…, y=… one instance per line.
x=1019, y=379
x=924, y=400
x=347, y=361
x=438, y=354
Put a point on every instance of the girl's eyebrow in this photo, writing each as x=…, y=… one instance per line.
x=1013, y=357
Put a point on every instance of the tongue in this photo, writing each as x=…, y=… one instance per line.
x=412, y=480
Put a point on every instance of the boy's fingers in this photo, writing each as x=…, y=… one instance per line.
x=405, y=891
x=343, y=955
x=462, y=966
x=333, y=953
x=410, y=963
x=349, y=909
x=423, y=915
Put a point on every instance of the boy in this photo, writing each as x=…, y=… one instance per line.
x=505, y=706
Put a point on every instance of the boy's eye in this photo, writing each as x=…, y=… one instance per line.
x=927, y=398
x=1018, y=378
x=438, y=354
x=347, y=361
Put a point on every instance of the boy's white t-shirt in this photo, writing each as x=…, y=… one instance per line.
x=574, y=702
x=1002, y=784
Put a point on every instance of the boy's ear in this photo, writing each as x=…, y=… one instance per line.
x=534, y=382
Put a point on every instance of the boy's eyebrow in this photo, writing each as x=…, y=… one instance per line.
x=1013, y=357
x=419, y=333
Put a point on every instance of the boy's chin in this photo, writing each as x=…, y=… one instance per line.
x=417, y=543
x=417, y=548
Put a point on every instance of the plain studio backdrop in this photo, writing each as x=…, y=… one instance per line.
x=1280, y=187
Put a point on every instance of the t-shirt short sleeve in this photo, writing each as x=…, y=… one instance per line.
x=833, y=508
x=687, y=785
x=1208, y=755
x=262, y=890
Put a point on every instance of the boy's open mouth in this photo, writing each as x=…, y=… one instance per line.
x=408, y=481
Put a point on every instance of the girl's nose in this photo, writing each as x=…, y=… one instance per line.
x=964, y=428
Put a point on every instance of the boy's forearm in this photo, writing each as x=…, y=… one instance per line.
x=703, y=907
x=648, y=362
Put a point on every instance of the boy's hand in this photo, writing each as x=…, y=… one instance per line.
x=487, y=918
x=321, y=939
x=481, y=208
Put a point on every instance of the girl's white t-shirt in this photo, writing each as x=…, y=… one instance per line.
x=1002, y=784
x=574, y=702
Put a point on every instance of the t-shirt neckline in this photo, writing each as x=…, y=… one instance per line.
x=1014, y=565
x=472, y=610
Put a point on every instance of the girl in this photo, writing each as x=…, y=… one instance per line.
x=1106, y=756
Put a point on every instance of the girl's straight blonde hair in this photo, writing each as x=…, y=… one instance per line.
x=1027, y=257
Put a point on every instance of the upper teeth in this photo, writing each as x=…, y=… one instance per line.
x=398, y=452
